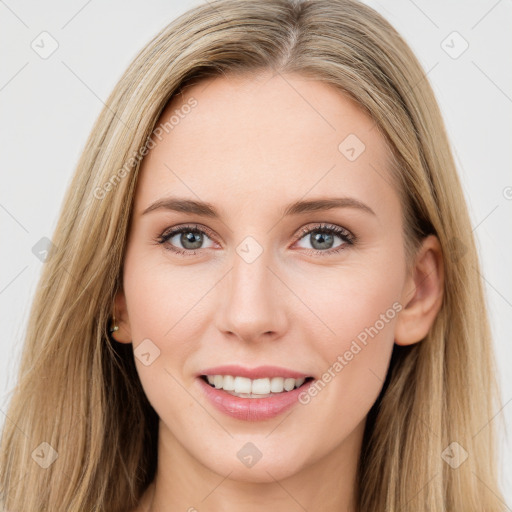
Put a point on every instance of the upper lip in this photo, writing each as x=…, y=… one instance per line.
x=259, y=372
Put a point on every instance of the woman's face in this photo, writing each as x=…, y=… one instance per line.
x=297, y=262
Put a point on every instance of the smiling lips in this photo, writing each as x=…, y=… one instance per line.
x=252, y=394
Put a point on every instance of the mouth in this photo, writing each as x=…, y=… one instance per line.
x=265, y=387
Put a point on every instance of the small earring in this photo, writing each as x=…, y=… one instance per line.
x=113, y=327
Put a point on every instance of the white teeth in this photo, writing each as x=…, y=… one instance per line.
x=247, y=387
x=242, y=384
x=229, y=383
x=277, y=385
x=260, y=387
x=218, y=381
x=289, y=384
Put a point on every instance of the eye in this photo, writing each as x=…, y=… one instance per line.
x=323, y=238
x=190, y=238
x=186, y=240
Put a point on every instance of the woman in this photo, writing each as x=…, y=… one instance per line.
x=187, y=351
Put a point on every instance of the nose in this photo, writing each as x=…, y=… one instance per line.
x=253, y=302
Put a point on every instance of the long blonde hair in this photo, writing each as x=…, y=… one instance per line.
x=74, y=384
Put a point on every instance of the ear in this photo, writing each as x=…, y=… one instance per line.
x=123, y=334
x=422, y=293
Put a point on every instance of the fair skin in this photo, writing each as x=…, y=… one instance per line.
x=250, y=148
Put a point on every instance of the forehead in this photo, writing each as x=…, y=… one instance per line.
x=264, y=138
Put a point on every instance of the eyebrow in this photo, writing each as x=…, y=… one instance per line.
x=297, y=208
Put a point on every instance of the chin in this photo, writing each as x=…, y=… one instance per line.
x=252, y=465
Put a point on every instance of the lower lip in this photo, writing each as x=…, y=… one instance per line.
x=252, y=409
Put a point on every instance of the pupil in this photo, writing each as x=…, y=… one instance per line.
x=321, y=239
x=193, y=238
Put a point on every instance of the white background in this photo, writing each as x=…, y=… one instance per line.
x=49, y=106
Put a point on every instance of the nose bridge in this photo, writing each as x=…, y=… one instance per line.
x=251, y=305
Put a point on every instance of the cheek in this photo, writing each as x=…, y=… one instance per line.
x=160, y=304
x=161, y=322
x=161, y=298
x=360, y=306
x=363, y=309
x=348, y=300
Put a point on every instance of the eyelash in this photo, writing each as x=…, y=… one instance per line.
x=347, y=237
